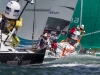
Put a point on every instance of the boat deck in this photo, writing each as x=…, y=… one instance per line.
x=9, y=49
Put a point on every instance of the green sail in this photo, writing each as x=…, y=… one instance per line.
x=91, y=20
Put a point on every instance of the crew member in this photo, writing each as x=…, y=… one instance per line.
x=70, y=32
x=81, y=28
x=75, y=39
x=10, y=21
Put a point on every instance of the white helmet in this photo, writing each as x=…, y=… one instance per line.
x=82, y=26
x=75, y=35
x=12, y=10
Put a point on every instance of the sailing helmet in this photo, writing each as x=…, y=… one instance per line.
x=12, y=10
x=82, y=26
x=75, y=35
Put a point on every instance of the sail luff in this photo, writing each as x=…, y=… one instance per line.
x=81, y=12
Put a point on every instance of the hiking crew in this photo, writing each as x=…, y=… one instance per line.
x=70, y=32
x=74, y=37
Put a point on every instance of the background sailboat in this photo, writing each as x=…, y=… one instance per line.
x=91, y=19
x=59, y=18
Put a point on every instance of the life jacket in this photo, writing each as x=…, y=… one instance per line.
x=12, y=22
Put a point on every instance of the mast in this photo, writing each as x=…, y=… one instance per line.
x=34, y=18
x=81, y=12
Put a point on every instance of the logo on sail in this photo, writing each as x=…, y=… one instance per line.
x=52, y=12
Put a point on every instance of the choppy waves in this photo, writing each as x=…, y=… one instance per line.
x=69, y=65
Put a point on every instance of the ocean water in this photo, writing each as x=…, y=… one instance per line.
x=69, y=65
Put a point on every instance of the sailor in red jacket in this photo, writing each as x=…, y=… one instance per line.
x=71, y=31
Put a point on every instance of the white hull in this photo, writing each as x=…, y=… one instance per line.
x=59, y=51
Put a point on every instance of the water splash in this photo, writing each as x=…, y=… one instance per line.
x=75, y=58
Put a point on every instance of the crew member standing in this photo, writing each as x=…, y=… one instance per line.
x=10, y=22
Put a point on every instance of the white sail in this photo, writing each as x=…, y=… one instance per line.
x=41, y=13
x=63, y=9
x=60, y=14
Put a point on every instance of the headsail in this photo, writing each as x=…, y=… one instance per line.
x=60, y=15
x=91, y=21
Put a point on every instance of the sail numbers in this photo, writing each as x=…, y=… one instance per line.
x=75, y=20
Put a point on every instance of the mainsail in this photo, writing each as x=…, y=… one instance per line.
x=91, y=20
x=60, y=15
x=41, y=12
